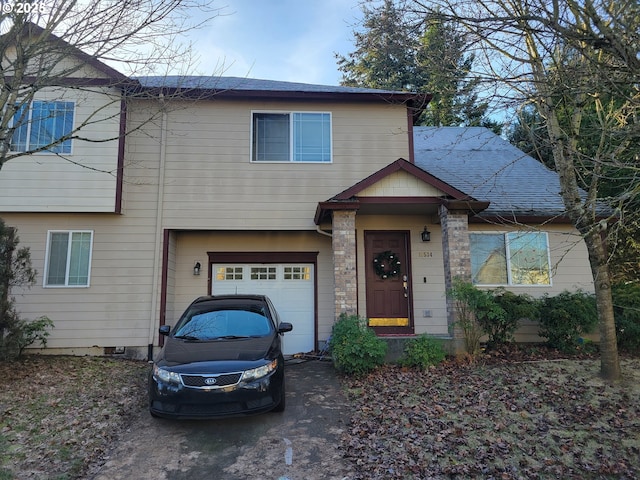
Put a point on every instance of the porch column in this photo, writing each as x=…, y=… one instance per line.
x=344, y=262
x=457, y=262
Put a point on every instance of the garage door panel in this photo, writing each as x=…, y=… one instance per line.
x=289, y=286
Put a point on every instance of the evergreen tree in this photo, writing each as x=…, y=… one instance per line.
x=398, y=51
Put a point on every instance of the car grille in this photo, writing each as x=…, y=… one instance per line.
x=199, y=381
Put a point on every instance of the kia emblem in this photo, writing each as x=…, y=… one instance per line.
x=210, y=381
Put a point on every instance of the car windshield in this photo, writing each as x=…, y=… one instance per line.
x=224, y=323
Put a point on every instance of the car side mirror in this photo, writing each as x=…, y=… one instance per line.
x=284, y=327
x=164, y=329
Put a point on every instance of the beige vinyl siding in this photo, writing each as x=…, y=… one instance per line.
x=115, y=310
x=83, y=181
x=210, y=180
x=569, y=259
x=400, y=184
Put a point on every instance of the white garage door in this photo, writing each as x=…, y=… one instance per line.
x=290, y=288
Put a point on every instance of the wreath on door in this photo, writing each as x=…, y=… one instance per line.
x=387, y=264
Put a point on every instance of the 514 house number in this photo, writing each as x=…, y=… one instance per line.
x=425, y=254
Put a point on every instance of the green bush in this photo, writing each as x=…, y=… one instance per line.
x=422, y=352
x=355, y=348
x=477, y=312
x=501, y=328
x=626, y=306
x=21, y=334
x=565, y=318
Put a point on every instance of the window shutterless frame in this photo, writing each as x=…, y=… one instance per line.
x=524, y=256
x=68, y=259
x=43, y=124
x=291, y=137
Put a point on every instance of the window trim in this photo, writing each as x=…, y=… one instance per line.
x=505, y=235
x=291, y=160
x=29, y=125
x=69, y=245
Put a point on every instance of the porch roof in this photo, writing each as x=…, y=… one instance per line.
x=351, y=199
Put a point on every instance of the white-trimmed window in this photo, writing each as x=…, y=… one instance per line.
x=291, y=137
x=68, y=258
x=44, y=124
x=515, y=258
x=263, y=273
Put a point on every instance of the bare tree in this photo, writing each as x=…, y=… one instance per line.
x=567, y=59
x=49, y=48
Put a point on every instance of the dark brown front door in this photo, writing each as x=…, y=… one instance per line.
x=388, y=274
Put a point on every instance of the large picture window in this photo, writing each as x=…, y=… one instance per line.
x=68, y=262
x=42, y=126
x=291, y=137
x=516, y=258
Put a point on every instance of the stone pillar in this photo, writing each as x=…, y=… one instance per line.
x=344, y=262
x=457, y=262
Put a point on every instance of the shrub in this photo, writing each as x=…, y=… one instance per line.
x=355, y=348
x=422, y=352
x=476, y=310
x=23, y=333
x=566, y=317
x=626, y=306
x=501, y=328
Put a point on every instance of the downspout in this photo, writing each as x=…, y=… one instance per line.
x=322, y=232
x=158, y=234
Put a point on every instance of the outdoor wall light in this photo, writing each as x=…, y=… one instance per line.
x=426, y=235
x=196, y=268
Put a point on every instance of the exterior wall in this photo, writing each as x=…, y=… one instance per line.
x=210, y=180
x=114, y=310
x=46, y=182
x=400, y=184
x=570, y=270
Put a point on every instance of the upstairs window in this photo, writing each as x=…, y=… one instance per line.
x=44, y=124
x=68, y=260
x=517, y=258
x=291, y=137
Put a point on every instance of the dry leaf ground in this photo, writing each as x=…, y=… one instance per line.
x=61, y=416
x=506, y=420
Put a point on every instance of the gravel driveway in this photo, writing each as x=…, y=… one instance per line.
x=301, y=443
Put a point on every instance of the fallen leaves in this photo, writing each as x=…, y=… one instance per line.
x=59, y=415
x=498, y=420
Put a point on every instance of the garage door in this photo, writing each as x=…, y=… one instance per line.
x=290, y=288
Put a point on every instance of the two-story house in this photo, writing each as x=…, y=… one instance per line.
x=325, y=198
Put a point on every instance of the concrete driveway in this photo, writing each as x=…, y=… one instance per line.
x=298, y=444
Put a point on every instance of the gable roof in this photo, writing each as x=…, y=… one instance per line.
x=351, y=198
x=487, y=167
x=207, y=86
x=65, y=49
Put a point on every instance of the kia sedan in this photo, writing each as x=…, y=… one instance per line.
x=222, y=358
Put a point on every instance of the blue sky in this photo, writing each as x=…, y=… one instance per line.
x=289, y=40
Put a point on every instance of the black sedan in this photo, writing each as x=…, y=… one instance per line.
x=222, y=358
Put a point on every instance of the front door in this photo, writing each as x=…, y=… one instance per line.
x=387, y=274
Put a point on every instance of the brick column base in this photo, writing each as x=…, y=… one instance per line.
x=457, y=263
x=344, y=262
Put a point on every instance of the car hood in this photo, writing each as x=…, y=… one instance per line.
x=178, y=351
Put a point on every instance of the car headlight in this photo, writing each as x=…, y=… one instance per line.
x=256, y=373
x=165, y=376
